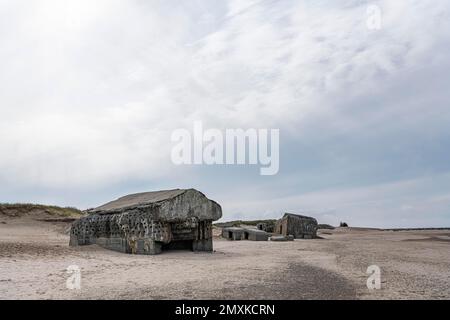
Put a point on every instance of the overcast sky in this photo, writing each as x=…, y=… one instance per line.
x=90, y=92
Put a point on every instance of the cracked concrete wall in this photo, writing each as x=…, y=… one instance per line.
x=144, y=229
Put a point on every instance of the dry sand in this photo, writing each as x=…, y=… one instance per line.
x=34, y=256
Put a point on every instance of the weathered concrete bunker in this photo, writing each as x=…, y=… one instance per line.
x=150, y=222
x=301, y=227
x=234, y=233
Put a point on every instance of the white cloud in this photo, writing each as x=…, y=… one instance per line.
x=91, y=91
x=371, y=206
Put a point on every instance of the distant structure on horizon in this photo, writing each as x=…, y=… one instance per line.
x=289, y=227
x=150, y=222
x=301, y=227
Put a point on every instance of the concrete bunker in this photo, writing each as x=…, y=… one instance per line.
x=234, y=233
x=256, y=235
x=298, y=226
x=150, y=222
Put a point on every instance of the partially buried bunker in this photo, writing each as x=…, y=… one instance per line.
x=149, y=222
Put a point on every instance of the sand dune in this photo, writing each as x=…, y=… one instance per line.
x=34, y=256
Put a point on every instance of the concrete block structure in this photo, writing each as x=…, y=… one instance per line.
x=282, y=238
x=150, y=222
x=255, y=235
x=300, y=227
x=233, y=233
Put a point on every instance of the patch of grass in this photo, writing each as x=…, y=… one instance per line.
x=19, y=209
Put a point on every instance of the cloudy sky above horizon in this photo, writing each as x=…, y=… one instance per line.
x=90, y=92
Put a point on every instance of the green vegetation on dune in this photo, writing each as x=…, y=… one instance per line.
x=20, y=209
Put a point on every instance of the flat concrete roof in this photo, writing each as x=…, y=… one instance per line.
x=143, y=198
x=287, y=214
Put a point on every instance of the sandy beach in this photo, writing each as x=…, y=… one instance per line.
x=34, y=257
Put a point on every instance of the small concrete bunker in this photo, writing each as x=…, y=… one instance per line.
x=150, y=222
x=255, y=235
x=301, y=227
x=234, y=233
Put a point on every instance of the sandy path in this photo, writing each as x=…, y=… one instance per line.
x=415, y=264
